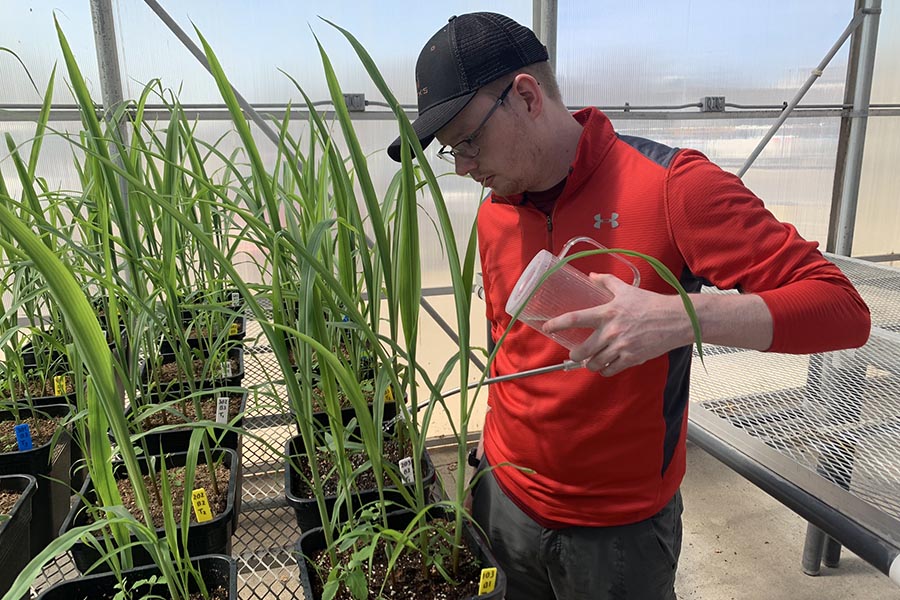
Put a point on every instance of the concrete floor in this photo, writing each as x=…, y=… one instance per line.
x=740, y=544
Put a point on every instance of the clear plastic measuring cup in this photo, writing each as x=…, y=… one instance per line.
x=567, y=289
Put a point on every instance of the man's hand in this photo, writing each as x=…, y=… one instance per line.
x=632, y=328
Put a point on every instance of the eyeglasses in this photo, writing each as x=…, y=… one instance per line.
x=467, y=147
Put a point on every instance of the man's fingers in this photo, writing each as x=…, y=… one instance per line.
x=607, y=282
x=577, y=318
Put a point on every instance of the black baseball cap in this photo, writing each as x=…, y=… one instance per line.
x=470, y=51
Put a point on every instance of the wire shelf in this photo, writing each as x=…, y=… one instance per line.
x=837, y=414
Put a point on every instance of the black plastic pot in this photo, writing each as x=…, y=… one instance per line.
x=307, y=509
x=176, y=388
x=348, y=414
x=15, y=532
x=210, y=537
x=313, y=541
x=49, y=465
x=178, y=440
x=76, y=456
x=29, y=360
x=165, y=346
x=42, y=401
x=215, y=569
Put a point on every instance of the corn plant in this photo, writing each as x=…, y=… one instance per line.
x=115, y=267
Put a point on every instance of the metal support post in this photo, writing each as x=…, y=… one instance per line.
x=840, y=155
x=816, y=73
x=832, y=558
x=549, y=12
x=855, y=144
x=536, y=15
x=107, y=55
x=110, y=82
x=812, y=550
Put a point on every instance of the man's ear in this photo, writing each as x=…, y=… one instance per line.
x=529, y=90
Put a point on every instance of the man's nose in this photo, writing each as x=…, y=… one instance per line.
x=463, y=165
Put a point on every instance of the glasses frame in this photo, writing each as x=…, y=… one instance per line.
x=459, y=149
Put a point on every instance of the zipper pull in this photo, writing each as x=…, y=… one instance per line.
x=549, y=223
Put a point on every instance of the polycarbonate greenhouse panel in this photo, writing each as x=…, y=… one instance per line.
x=878, y=216
x=662, y=52
x=254, y=40
x=886, y=76
x=793, y=176
x=27, y=29
x=462, y=195
x=57, y=160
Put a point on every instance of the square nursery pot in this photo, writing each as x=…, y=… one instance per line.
x=29, y=359
x=215, y=569
x=307, y=510
x=49, y=465
x=15, y=532
x=64, y=375
x=210, y=537
x=237, y=333
x=177, y=441
x=76, y=457
x=213, y=381
x=348, y=414
x=313, y=541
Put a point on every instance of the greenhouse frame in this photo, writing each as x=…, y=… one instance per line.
x=212, y=271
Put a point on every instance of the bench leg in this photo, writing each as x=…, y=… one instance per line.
x=813, y=549
x=832, y=553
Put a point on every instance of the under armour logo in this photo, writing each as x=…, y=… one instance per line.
x=599, y=220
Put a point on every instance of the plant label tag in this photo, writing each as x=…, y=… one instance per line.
x=406, y=470
x=388, y=395
x=233, y=329
x=23, y=437
x=235, y=299
x=226, y=369
x=488, y=581
x=222, y=409
x=59, y=385
x=201, y=505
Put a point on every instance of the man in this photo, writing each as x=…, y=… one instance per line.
x=600, y=515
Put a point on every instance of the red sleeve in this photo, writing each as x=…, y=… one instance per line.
x=728, y=237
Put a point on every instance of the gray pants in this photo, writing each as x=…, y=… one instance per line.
x=627, y=562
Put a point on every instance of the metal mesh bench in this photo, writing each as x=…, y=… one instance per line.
x=819, y=433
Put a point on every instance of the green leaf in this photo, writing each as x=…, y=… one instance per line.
x=357, y=584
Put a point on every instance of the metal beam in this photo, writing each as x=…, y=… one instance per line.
x=198, y=54
x=816, y=73
x=537, y=8
x=846, y=222
x=616, y=114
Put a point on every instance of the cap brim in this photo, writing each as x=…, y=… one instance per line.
x=431, y=121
